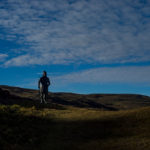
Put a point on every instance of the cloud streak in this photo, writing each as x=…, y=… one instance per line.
x=123, y=75
x=64, y=32
x=3, y=57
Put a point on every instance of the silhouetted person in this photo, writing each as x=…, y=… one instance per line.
x=43, y=85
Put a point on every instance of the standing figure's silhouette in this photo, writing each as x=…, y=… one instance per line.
x=43, y=85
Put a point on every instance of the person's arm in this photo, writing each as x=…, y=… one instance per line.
x=48, y=82
x=39, y=83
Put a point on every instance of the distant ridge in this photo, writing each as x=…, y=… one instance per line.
x=9, y=94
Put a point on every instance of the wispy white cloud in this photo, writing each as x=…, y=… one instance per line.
x=94, y=31
x=3, y=57
x=107, y=75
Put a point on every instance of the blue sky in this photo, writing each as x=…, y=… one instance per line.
x=86, y=46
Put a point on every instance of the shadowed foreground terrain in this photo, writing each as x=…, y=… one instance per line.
x=70, y=126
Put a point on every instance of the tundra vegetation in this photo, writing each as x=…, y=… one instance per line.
x=65, y=127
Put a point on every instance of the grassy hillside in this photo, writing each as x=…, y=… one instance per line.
x=73, y=121
x=24, y=128
x=100, y=101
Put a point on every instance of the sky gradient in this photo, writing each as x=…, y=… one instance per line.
x=86, y=46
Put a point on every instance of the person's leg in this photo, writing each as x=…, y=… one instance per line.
x=42, y=95
x=46, y=95
x=45, y=98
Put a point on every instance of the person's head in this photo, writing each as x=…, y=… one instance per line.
x=44, y=73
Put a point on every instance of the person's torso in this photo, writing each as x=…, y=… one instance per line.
x=44, y=81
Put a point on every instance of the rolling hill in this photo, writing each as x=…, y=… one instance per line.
x=99, y=101
x=73, y=121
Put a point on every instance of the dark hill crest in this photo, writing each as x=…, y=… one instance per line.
x=29, y=97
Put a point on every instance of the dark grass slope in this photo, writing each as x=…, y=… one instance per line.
x=120, y=131
x=30, y=98
x=83, y=126
x=9, y=99
x=98, y=101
